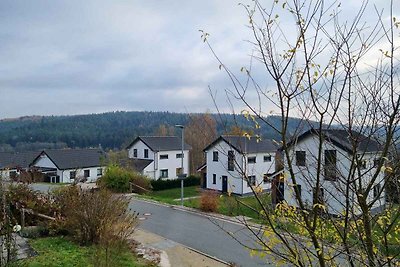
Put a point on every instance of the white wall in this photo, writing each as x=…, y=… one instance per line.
x=153, y=170
x=172, y=163
x=4, y=174
x=65, y=174
x=140, y=146
x=236, y=183
x=220, y=168
x=44, y=161
x=334, y=191
x=259, y=169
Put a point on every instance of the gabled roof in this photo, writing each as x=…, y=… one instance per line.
x=74, y=158
x=244, y=144
x=136, y=164
x=343, y=139
x=161, y=143
x=14, y=160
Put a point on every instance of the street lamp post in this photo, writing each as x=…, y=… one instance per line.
x=182, y=175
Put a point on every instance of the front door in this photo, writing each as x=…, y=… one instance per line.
x=280, y=194
x=224, y=184
x=204, y=184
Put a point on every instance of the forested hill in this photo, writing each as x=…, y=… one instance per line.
x=110, y=130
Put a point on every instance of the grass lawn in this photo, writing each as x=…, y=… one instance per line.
x=59, y=251
x=169, y=195
x=228, y=205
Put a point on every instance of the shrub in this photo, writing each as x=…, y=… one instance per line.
x=22, y=196
x=169, y=184
x=118, y=179
x=96, y=217
x=142, y=183
x=209, y=201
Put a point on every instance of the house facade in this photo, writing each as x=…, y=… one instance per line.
x=159, y=157
x=235, y=164
x=335, y=169
x=12, y=164
x=68, y=165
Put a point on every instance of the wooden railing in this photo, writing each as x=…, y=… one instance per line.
x=132, y=185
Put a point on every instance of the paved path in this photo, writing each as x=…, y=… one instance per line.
x=176, y=255
x=198, y=232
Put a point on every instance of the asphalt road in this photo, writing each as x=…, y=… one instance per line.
x=198, y=232
x=44, y=187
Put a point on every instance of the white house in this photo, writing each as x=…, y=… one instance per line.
x=13, y=163
x=235, y=163
x=66, y=165
x=335, y=166
x=159, y=156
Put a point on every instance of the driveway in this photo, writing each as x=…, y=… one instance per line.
x=44, y=187
x=198, y=232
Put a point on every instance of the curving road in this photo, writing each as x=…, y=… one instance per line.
x=198, y=232
x=207, y=235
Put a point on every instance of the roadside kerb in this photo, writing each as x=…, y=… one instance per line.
x=201, y=213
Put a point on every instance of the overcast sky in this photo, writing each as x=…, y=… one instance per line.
x=77, y=57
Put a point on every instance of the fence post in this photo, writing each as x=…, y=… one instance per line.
x=23, y=218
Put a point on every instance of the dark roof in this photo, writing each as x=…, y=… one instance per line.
x=17, y=159
x=200, y=168
x=246, y=145
x=135, y=164
x=74, y=158
x=161, y=143
x=344, y=139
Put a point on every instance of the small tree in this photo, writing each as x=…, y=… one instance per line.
x=200, y=131
x=7, y=242
x=319, y=69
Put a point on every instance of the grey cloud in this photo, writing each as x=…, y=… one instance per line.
x=71, y=57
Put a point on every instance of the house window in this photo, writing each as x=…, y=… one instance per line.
x=165, y=156
x=135, y=153
x=300, y=158
x=251, y=180
x=297, y=187
x=318, y=195
x=330, y=165
x=13, y=174
x=214, y=178
x=178, y=171
x=86, y=173
x=72, y=174
x=231, y=159
x=377, y=190
x=251, y=160
x=215, y=155
x=164, y=173
x=146, y=153
x=267, y=158
x=179, y=155
x=99, y=171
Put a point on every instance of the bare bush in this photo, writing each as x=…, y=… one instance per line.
x=96, y=217
x=209, y=201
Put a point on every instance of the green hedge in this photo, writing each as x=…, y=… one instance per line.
x=168, y=184
x=118, y=179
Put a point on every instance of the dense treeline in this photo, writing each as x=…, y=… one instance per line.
x=112, y=130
